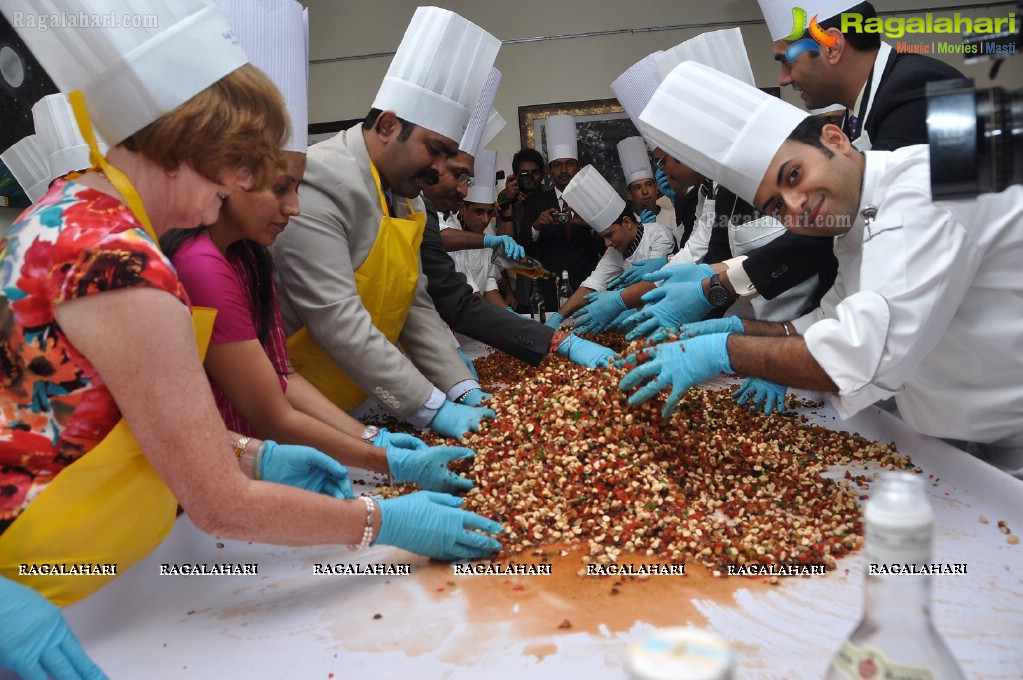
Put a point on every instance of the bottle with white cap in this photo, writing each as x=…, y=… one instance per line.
x=564, y=289
x=680, y=654
x=896, y=636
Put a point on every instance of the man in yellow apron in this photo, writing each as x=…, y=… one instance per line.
x=350, y=280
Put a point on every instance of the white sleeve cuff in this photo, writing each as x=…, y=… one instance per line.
x=425, y=414
x=738, y=277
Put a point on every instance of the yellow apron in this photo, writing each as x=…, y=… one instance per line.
x=109, y=506
x=386, y=283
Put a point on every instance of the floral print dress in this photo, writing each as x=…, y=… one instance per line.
x=54, y=408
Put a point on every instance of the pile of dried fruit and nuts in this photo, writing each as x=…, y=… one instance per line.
x=568, y=463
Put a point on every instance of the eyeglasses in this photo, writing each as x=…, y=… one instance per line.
x=466, y=180
x=660, y=162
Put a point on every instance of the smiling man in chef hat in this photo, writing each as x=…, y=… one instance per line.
x=928, y=303
x=349, y=274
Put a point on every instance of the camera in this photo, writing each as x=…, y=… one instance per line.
x=976, y=139
x=527, y=184
x=561, y=217
x=976, y=136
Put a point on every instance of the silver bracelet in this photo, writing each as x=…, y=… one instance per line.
x=367, y=532
x=785, y=325
x=257, y=463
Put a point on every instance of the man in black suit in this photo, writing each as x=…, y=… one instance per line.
x=560, y=243
x=886, y=109
x=470, y=314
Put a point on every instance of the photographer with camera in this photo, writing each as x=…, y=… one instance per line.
x=526, y=180
x=554, y=235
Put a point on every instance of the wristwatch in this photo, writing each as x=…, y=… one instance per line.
x=717, y=294
x=369, y=435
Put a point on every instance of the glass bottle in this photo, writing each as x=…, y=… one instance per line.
x=896, y=636
x=535, y=301
x=528, y=266
x=564, y=289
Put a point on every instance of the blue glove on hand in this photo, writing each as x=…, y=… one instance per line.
x=758, y=391
x=429, y=523
x=603, y=307
x=35, y=641
x=468, y=363
x=678, y=365
x=636, y=273
x=398, y=440
x=647, y=216
x=511, y=248
x=585, y=353
x=671, y=305
x=619, y=323
x=554, y=321
x=662, y=184
x=455, y=420
x=428, y=468
x=680, y=273
x=305, y=468
x=474, y=397
x=728, y=324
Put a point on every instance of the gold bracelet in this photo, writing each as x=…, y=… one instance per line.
x=239, y=447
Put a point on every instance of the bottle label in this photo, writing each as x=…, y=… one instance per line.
x=864, y=663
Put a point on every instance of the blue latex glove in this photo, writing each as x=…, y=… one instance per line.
x=662, y=184
x=510, y=247
x=757, y=392
x=474, y=397
x=678, y=365
x=399, y=440
x=429, y=523
x=585, y=353
x=619, y=323
x=468, y=363
x=455, y=420
x=603, y=307
x=680, y=273
x=35, y=641
x=428, y=468
x=636, y=273
x=647, y=216
x=670, y=305
x=729, y=324
x=554, y=320
x=305, y=468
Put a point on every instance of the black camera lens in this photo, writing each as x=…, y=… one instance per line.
x=527, y=184
x=976, y=139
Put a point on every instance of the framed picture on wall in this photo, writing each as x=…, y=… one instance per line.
x=600, y=124
x=321, y=131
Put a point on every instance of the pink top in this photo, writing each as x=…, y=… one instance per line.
x=223, y=284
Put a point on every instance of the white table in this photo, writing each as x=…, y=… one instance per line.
x=287, y=622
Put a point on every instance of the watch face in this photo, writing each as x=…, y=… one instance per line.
x=717, y=294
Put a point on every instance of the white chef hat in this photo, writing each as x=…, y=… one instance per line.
x=783, y=17
x=26, y=159
x=636, y=86
x=129, y=75
x=721, y=50
x=593, y=199
x=561, y=140
x=472, y=138
x=719, y=126
x=275, y=36
x=495, y=123
x=635, y=159
x=438, y=72
x=484, y=179
x=63, y=145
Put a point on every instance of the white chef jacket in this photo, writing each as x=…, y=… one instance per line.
x=695, y=249
x=666, y=214
x=656, y=241
x=479, y=271
x=927, y=305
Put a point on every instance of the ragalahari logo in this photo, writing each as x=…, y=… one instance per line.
x=818, y=36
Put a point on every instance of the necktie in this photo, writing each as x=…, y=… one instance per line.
x=853, y=125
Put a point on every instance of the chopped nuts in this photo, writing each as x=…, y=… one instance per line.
x=569, y=462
